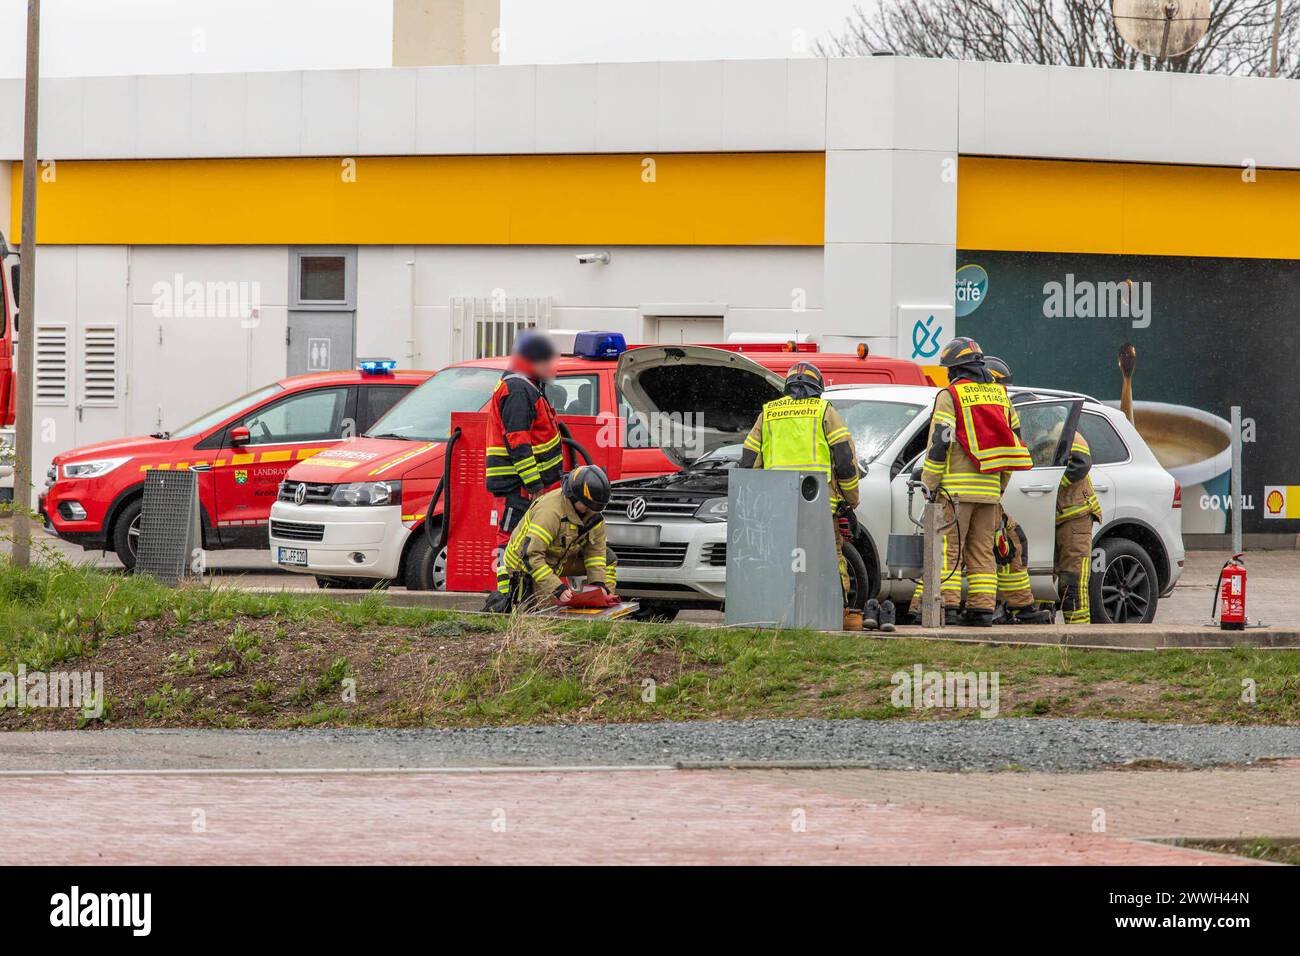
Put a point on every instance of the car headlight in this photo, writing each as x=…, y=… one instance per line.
x=95, y=468
x=715, y=509
x=367, y=493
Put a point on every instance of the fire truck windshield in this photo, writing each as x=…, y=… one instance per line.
x=425, y=414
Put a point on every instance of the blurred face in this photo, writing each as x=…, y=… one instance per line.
x=545, y=370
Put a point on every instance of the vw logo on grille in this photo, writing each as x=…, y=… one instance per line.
x=636, y=509
x=300, y=493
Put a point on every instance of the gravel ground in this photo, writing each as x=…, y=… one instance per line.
x=1032, y=744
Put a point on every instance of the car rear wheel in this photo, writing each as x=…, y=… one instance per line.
x=126, y=533
x=1123, y=588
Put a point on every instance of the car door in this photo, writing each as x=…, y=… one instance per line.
x=1047, y=428
x=281, y=432
x=1109, y=455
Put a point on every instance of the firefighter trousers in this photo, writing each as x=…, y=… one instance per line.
x=967, y=554
x=1073, y=568
x=1013, y=578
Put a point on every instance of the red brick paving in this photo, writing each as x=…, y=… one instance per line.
x=570, y=817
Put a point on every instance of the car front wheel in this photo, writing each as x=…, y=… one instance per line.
x=1123, y=587
x=859, y=580
x=126, y=534
x=425, y=571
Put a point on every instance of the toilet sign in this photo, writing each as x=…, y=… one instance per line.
x=318, y=355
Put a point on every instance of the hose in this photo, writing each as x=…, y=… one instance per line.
x=443, y=489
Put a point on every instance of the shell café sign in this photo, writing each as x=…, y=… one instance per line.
x=971, y=289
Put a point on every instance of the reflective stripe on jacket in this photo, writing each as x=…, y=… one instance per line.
x=523, y=438
x=1076, y=496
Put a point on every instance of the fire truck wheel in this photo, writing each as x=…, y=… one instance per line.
x=424, y=572
x=126, y=533
x=1123, y=587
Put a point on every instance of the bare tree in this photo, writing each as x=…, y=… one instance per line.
x=1065, y=32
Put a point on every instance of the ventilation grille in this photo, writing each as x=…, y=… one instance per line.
x=99, y=365
x=52, y=365
x=487, y=327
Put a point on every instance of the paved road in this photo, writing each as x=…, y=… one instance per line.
x=1272, y=595
x=630, y=817
x=1054, y=745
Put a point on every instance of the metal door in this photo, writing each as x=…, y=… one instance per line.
x=320, y=342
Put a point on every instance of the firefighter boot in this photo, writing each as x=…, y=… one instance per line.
x=887, y=616
x=977, y=618
x=952, y=616
x=1031, y=615
x=871, y=616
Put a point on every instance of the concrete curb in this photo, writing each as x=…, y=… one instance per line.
x=1141, y=637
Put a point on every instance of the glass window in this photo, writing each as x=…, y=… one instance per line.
x=309, y=416
x=575, y=395
x=875, y=425
x=379, y=400
x=322, y=278
x=219, y=415
x=1040, y=427
x=1106, y=445
x=425, y=413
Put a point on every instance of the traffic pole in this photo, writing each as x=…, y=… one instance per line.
x=22, y=552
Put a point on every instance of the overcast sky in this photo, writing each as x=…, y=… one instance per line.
x=104, y=37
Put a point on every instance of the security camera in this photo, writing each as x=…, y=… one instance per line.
x=586, y=258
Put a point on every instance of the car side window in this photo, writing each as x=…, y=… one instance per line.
x=1041, y=424
x=575, y=395
x=318, y=415
x=1104, y=442
x=376, y=401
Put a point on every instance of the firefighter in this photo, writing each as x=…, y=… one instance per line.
x=524, y=455
x=802, y=431
x=973, y=447
x=562, y=533
x=1015, y=598
x=1076, y=509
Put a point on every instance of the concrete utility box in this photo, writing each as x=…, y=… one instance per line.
x=781, y=564
x=169, y=525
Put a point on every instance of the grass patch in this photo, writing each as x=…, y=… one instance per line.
x=200, y=656
x=1272, y=850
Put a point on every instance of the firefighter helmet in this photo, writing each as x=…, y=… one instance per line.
x=999, y=369
x=588, y=484
x=960, y=351
x=804, y=380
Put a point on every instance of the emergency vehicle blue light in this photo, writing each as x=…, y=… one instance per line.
x=376, y=366
x=599, y=345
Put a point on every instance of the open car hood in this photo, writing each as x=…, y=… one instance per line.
x=689, y=400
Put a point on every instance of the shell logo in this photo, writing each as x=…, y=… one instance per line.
x=1275, y=502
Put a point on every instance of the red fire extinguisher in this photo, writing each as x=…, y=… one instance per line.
x=1231, y=596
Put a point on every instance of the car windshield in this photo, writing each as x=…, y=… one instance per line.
x=425, y=413
x=219, y=415
x=875, y=424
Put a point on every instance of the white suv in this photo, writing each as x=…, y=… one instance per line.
x=670, y=532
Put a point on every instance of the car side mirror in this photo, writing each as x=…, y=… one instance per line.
x=916, y=470
x=15, y=271
x=239, y=436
